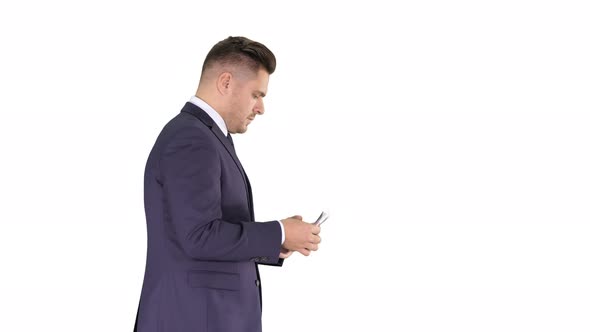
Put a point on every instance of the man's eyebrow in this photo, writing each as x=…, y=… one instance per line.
x=262, y=94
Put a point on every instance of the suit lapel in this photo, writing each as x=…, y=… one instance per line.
x=206, y=119
x=250, y=200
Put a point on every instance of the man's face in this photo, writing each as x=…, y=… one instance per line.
x=246, y=100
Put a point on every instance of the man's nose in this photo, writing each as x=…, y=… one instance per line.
x=259, y=107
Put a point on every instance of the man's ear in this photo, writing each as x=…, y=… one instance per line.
x=224, y=83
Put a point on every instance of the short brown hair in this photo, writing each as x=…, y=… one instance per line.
x=241, y=51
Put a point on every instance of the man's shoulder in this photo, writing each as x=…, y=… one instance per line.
x=183, y=126
x=185, y=121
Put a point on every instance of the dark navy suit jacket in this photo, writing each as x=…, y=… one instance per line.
x=203, y=244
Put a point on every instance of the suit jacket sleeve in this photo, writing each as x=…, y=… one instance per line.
x=278, y=263
x=191, y=179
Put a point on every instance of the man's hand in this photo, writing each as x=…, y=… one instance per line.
x=299, y=236
x=285, y=253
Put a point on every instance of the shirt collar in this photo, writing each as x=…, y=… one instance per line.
x=211, y=112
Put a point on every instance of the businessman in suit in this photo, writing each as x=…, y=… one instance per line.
x=204, y=245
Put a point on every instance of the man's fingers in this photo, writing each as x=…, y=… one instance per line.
x=304, y=252
x=316, y=239
x=315, y=229
x=305, y=238
x=313, y=247
x=285, y=254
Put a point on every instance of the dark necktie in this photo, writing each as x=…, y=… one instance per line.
x=230, y=139
x=251, y=207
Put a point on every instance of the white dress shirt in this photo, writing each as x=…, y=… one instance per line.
x=221, y=124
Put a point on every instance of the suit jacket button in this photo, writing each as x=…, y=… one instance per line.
x=257, y=283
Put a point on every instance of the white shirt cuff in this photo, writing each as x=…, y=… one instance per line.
x=282, y=232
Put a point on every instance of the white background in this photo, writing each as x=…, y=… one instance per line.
x=449, y=140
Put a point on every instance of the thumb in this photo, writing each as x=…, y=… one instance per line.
x=297, y=217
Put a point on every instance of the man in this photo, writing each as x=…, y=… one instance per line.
x=203, y=244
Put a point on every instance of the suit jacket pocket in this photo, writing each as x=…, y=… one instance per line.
x=214, y=280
